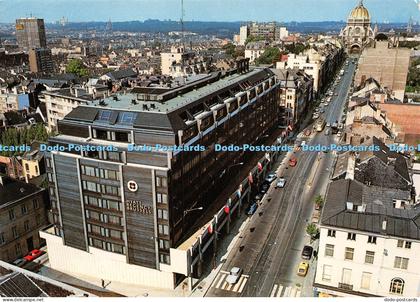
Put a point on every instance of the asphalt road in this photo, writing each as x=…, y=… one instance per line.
x=270, y=248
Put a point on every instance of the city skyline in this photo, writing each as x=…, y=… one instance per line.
x=205, y=10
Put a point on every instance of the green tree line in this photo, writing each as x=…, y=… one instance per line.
x=24, y=136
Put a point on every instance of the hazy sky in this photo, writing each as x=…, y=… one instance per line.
x=207, y=10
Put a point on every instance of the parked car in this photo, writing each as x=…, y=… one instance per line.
x=20, y=262
x=252, y=209
x=281, y=182
x=303, y=268
x=234, y=275
x=307, y=252
x=264, y=187
x=33, y=255
x=322, y=110
x=339, y=134
x=328, y=125
x=293, y=162
x=259, y=197
x=270, y=177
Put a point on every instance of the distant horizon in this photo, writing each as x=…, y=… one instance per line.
x=84, y=11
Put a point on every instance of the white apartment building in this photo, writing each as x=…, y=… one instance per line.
x=254, y=50
x=369, y=242
x=9, y=102
x=243, y=34
x=310, y=63
x=61, y=102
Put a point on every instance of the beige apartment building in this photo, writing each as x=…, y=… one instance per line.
x=22, y=215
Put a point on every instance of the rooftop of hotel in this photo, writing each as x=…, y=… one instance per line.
x=164, y=99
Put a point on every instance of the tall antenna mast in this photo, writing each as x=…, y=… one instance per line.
x=182, y=25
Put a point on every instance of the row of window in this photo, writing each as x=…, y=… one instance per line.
x=102, y=203
x=112, y=135
x=23, y=209
x=105, y=218
x=105, y=232
x=100, y=173
x=399, y=262
x=98, y=188
x=105, y=155
x=108, y=246
x=371, y=239
x=396, y=285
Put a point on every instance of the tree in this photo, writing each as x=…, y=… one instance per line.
x=319, y=201
x=312, y=230
x=76, y=66
x=296, y=48
x=269, y=56
x=229, y=49
x=254, y=39
x=25, y=136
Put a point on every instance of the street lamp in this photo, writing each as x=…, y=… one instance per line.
x=191, y=210
x=227, y=169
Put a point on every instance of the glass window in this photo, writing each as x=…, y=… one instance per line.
x=397, y=286
x=18, y=249
x=326, y=272
x=162, y=214
x=163, y=229
x=329, y=250
x=407, y=245
x=351, y=236
x=26, y=225
x=114, y=219
x=369, y=257
x=401, y=262
x=2, y=238
x=12, y=214
x=164, y=244
x=372, y=239
x=104, y=115
x=366, y=277
x=162, y=198
x=331, y=233
x=349, y=254
x=35, y=203
x=15, y=232
x=127, y=118
x=346, y=276
x=24, y=209
x=400, y=243
x=163, y=258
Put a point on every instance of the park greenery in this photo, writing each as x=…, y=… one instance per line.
x=413, y=78
x=76, y=67
x=24, y=136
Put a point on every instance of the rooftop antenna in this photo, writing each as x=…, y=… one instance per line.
x=182, y=24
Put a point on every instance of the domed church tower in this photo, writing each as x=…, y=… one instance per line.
x=358, y=33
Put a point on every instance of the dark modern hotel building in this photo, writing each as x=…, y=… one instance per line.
x=129, y=216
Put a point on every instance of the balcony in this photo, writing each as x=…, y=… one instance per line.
x=345, y=286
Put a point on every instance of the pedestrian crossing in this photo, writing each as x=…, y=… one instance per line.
x=220, y=282
x=285, y=291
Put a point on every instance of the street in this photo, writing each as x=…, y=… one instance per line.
x=270, y=247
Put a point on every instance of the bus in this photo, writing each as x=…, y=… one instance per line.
x=320, y=124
